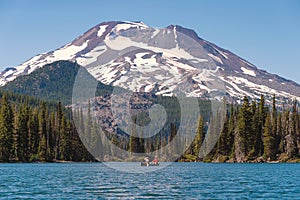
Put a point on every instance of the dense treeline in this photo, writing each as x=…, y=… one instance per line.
x=255, y=132
x=252, y=132
x=33, y=132
x=137, y=141
x=15, y=98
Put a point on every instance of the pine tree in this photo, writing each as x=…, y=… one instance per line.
x=57, y=130
x=51, y=133
x=269, y=139
x=262, y=113
x=223, y=147
x=88, y=126
x=171, y=145
x=279, y=135
x=81, y=128
x=77, y=149
x=96, y=144
x=64, y=144
x=274, y=121
x=276, y=126
x=6, y=130
x=93, y=137
x=221, y=144
x=286, y=129
x=43, y=149
x=33, y=135
x=134, y=142
x=291, y=138
x=256, y=136
x=231, y=129
x=244, y=127
x=22, y=134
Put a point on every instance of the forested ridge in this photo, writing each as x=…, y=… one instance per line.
x=55, y=82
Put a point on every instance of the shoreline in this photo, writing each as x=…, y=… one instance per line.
x=297, y=161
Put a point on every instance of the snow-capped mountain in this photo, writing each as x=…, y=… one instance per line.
x=165, y=61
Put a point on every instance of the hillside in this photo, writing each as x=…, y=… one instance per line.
x=53, y=82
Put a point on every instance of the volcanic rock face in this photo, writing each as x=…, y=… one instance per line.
x=169, y=61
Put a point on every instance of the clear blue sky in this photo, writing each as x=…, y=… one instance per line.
x=264, y=32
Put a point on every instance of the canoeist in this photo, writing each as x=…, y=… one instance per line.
x=146, y=161
x=155, y=160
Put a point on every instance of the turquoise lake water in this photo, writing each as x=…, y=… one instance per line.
x=175, y=181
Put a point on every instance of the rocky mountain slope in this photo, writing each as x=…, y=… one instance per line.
x=167, y=61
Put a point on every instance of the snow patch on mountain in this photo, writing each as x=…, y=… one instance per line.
x=239, y=84
x=138, y=24
x=120, y=43
x=145, y=61
x=127, y=25
x=233, y=85
x=68, y=52
x=91, y=56
x=9, y=72
x=248, y=71
x=102, y=29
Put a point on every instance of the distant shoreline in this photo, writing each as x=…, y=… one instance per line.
x=295, y=161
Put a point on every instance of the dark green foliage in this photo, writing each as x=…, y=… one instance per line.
x=135, y=144
x=269, y=139
x=54, y=82
x=243, y=137
x=256, y=137
x=22, y=134
x=30, y=133
x=199, y=138
x=244, y=129
x=6, y=130
x=33, y=133
x=88, y=125
x=292, y=138
x=42, y=149
x=225, y=141
x=259, y=132
x=262, y=114
x=64, y=144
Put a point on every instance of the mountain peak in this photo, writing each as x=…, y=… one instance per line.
x=115, y=52
x=189, y=32
x=130, y=23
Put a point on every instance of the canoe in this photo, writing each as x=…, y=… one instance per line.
x=150, y=164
